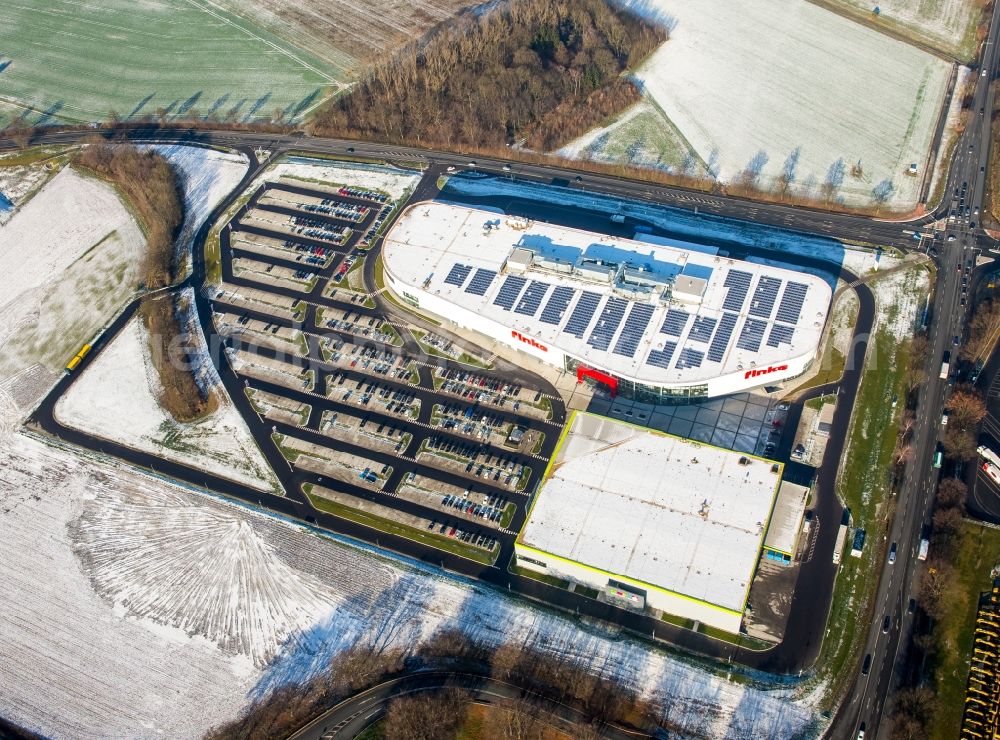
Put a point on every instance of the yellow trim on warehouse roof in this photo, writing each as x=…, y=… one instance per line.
x=519, y=542
x=626, y=579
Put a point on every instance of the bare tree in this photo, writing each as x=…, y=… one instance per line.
x=959, y=444
x=983, y=332
x=951, y=494
x=933, y=586
x=916, y=368
x=425, y=716
x=517, y=719
x=751, y=173
x=789, y=170
x=966, y=408
x=834, y=179
x=881, y=193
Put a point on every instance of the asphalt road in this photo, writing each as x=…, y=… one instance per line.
x=806, y=621
x=864, y=701
x=867, y=702
x=352, y=716
x=792, y=218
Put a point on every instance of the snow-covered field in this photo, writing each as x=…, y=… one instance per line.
x=69, y=259
x=345, y=32
x=949, y=25
x=116, y=398
x=76, y=665
x=207, y=176
x=162, y=609
x=392, y=180
x=640, y=136
x=750, y=84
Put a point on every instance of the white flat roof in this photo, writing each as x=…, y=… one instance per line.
x=749, y=316
x=658, y=509
x=789, y=508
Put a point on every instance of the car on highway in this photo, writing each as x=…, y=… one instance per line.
x=861, y=732
x=867, y=666
x=892, y=554
x=886, y=622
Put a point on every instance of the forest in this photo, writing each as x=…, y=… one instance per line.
x=532, y=73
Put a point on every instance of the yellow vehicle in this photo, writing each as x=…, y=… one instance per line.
x=77, y=358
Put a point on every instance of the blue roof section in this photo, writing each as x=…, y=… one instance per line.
x=697, y=271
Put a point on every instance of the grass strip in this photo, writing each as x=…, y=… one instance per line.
x=424, y=537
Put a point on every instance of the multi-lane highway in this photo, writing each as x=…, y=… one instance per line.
x=868, y=701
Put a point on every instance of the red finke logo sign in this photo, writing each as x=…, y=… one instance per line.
x=764, y=371
x=529, y=341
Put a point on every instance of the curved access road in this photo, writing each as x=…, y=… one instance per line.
x=353, y=715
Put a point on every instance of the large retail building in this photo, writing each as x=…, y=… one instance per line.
x=648, y=317
x=653, y=521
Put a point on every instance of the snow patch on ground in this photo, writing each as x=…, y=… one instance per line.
x=207, y=176
x=116, y=398
x=74, y=667
x=640, y=136
x=69, y=259
x=70, y=215
x=240, y=593
x=901, y=298
x=392, y=180
x=17, y=183
x=753, y=82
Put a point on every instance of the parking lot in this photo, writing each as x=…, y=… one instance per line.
x=416, y=438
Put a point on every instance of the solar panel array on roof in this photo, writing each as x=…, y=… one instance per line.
x=532, y=298
x=674, y=322
x=717, y=350
x=763, y=297
x=701, y=329
x=780, y=334
x=738, y=283
x=662, y=357
x=790, y=307
x=583, y=312
x=634, y=329
x=457, y=274
x=481, y=281
x=509, y=292
x=689, y=358
x=607, y=323
x=557, y=305
x=752, y=335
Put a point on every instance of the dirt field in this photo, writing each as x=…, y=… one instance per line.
x=347, y=33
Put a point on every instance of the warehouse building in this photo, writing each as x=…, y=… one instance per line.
x=655, y=522
x=648, y=318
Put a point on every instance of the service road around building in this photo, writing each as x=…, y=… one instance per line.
x=295, y=275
